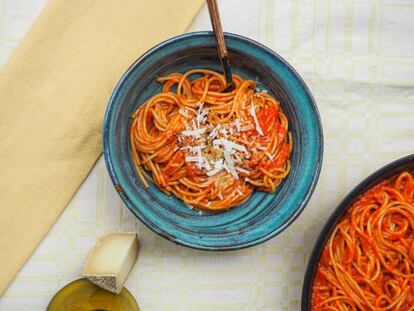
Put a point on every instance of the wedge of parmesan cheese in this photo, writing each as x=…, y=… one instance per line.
x=111, y=260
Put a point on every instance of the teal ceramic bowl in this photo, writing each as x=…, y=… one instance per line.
x=264, y=215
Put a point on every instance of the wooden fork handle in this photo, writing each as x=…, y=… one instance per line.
x=218, y=30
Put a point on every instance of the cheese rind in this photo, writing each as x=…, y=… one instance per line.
x=111, y=260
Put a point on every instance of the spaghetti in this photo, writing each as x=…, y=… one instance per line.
x=208, y=147
x=368, y=262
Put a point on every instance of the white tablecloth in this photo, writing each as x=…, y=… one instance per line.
x=356, y=57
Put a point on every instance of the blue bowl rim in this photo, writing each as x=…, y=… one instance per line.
x=377, y=176
x=157, y=229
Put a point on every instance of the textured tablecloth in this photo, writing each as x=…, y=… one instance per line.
x=357, y=57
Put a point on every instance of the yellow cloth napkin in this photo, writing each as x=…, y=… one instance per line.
x=53, y=94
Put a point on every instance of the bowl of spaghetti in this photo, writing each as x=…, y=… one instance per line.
x=205, y=167
x=364, y=256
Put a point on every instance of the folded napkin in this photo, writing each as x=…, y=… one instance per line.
x=53, y=94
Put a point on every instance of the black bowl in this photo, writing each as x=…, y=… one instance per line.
x=389, y=170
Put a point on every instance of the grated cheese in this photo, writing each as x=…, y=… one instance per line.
x=225, y=166
x=213, y=133
x=223, y=131
x=229, y=144
x=207, y=165
x=195, y=149
x=199, y=113
x=201, y=117
x=242, y=170
x=200, y=158
x=269, y=155
x=191, y=159
x=230, y=164
x=237, y=124
x=214, y=171
x=187, y=126
x=205, y=184
x=218, y=166
x=196, y=132
x=203, y=135
x=238, y=157
x=256, y=121
x=183, y=113
x=246, y=128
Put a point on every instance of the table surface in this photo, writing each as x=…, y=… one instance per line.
x=356, y=57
